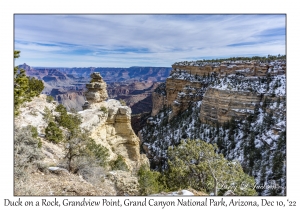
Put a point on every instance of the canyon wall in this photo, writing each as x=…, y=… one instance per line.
x=221, y=105
x=248, y=68
x=188, y=82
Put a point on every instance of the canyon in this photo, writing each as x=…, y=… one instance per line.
x=108, y=123
x=139, y=112
x=188, y=83
x=134, y=85
x=238, y=105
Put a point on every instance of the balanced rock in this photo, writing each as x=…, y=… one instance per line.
x=96, y=89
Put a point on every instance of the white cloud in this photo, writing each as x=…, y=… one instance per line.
x=117, y=40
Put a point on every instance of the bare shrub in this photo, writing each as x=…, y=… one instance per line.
x=94, y=175
x=26, y=150
x=28, y=158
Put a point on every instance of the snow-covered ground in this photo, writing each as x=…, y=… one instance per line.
x=258, y=142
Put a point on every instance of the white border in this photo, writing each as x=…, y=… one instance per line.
x=8, y=8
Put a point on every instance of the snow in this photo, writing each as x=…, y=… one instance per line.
x=186, y=192
x=244, y=110
x=252, y=84
x=187, y=125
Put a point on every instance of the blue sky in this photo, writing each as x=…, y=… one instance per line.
x=144, y=40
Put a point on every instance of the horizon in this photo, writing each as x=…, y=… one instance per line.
x=125, y=67
x=94, y=66
x=123, y=41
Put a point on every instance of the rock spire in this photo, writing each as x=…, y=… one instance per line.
x=96, y=90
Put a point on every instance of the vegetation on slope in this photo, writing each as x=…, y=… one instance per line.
x=257, y=142
x=25, y=88
x=262, y=59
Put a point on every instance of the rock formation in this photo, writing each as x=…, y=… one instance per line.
x=160, y=102
x=96, y=89
x=110, y=124
x=221, y=105
x=248, y=68
x=188, y=82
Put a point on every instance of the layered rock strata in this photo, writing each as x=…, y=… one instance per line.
x=174, y=86
x=158, y=102
x=96, y=89
x=221, y=105
x=177, y=93
x=188, y=82
x=180, y=93
x=250, y=68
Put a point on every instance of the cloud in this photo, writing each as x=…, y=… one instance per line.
x=127, y=40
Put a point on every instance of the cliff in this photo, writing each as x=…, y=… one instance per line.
x=70, y=99
x=246, y=67
x=110, y=124
x=240, y=106
x=188, y=82
x=179, y=91
x=221, y=105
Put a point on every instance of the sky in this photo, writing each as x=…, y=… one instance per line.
x=144, y=40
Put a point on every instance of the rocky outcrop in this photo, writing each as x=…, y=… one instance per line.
x=197, y=70
x=247, y=68
x=32, y=113
x=96, y=89
x=158, y=102
x=174, y=86
x=110, y=124
x=221, y=105
x=188, y=82
x=124, y=182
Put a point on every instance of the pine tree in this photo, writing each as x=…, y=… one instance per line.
x=195, y=164
x=20, y=86
x=69, y=121
x=80, y=150
x=35, y=87
x=53, y=133
x=25, y=88
x=148, y=181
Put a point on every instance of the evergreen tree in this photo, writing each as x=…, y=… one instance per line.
x=69, y=121
x=53, y=133
x=48, y=116
x=148, y=181
x=98, y=152
x=25, y=88
x=35, y=87
x=80, y=150
x=196, y=164
x=20, y=86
